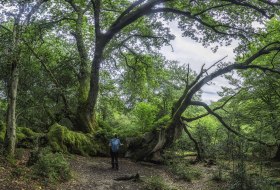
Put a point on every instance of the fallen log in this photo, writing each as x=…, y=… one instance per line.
x=128, y=177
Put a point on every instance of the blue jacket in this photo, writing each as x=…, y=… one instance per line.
x=115, y=144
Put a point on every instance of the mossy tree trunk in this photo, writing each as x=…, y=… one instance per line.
x=83, y=121
x=10, y=136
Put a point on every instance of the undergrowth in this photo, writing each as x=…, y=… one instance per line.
x=51, y=167
x=182, y=169
x=157, y=183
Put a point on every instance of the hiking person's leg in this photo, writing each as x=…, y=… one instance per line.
x=116, y=160
x=112, y=158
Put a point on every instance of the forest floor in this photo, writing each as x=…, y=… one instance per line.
x=96, y=173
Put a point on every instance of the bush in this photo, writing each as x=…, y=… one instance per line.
x=52, y=167
x=156, y=183
x=64, y=140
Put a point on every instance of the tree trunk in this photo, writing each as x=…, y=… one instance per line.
x=10, y=137
x=84, y=121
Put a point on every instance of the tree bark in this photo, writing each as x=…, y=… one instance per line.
x=10, y=137
x=150, y=147
x=84, y=121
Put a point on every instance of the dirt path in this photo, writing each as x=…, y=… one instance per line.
x=96, y=173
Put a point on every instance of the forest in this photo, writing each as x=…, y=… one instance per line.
x=77, y=73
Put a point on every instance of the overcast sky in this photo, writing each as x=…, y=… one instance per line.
x=186, y=50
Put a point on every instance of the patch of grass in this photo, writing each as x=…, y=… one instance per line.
x=218, y=175
x=157, y=183
x=183, y=171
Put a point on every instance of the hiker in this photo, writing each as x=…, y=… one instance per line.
x=114, y=150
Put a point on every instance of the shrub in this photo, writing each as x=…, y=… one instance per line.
x=156, y=183
x=64, y=140
x=52, y=167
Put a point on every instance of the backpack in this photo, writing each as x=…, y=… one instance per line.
x=115, y=144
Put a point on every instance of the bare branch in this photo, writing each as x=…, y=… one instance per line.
x=216, y=63
x=214, y=109
x=206, y=107
x=197, y=77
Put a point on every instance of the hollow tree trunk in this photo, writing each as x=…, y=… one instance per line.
x=150, y=146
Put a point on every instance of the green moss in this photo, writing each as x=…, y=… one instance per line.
x=64, y=140
x=25, y=132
